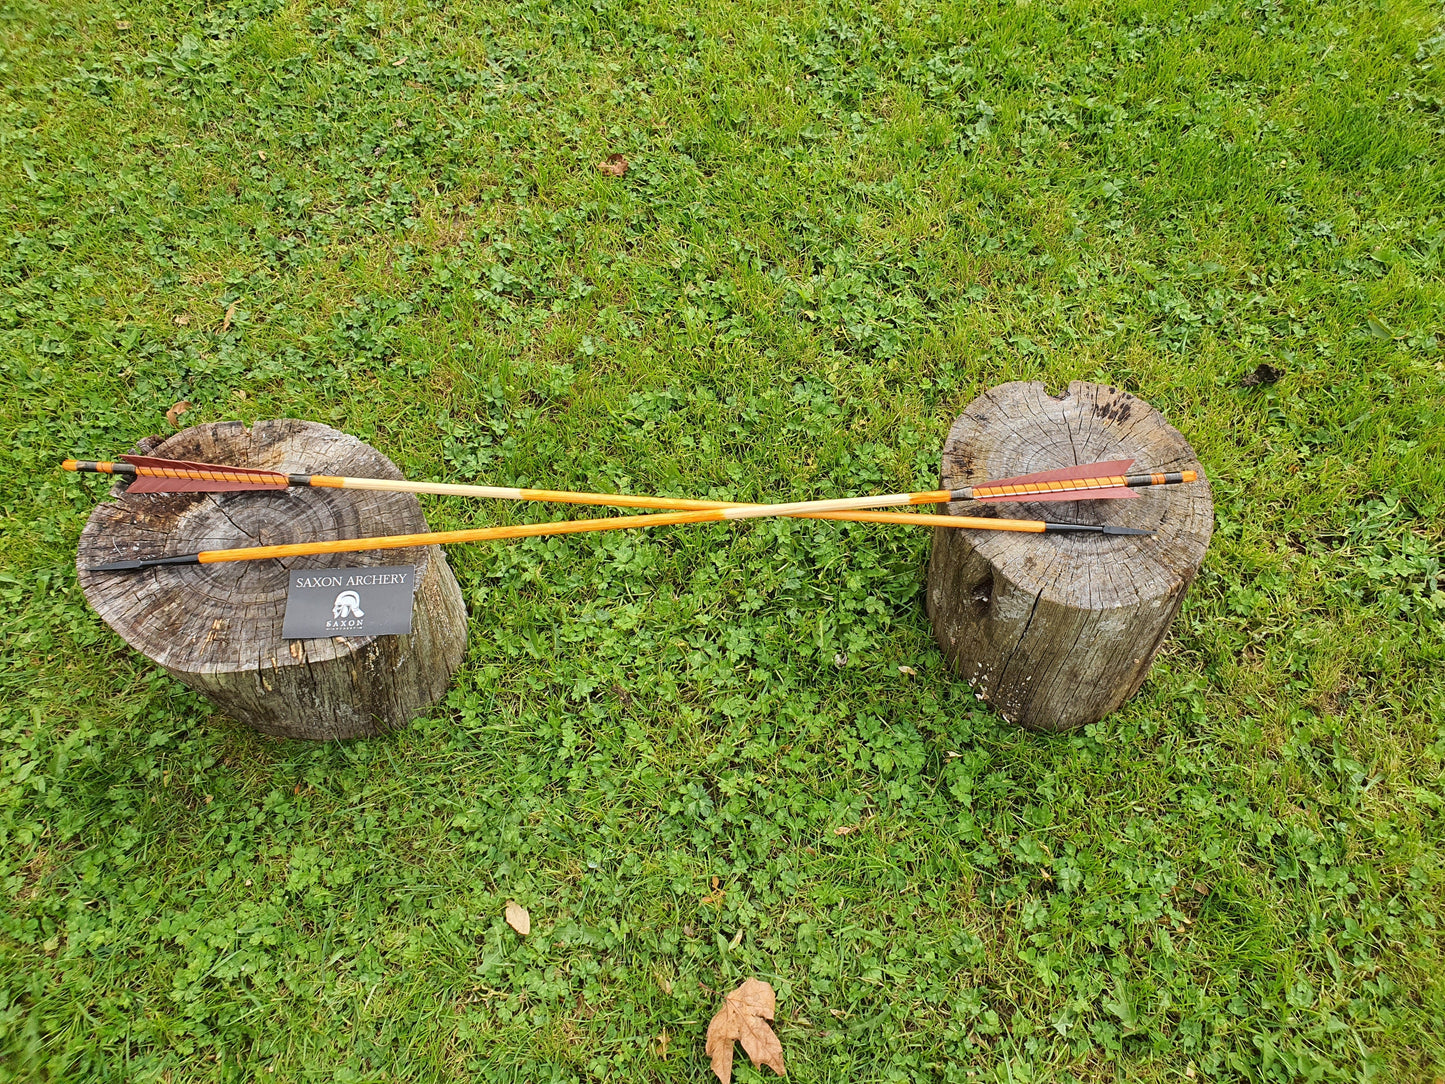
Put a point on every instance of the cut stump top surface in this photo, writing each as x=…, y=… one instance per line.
x=1019, y=428
x=226, y=617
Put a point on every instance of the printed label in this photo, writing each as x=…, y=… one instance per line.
x=324, y=602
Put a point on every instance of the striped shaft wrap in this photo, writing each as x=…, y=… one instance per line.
x=1020, y=489
x=240, y=475
x=1131, y=481
x=187, y=473
x=1157, y=478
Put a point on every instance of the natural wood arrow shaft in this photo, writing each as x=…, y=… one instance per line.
x=190, y=474
x=574, y=526
x=526, y=530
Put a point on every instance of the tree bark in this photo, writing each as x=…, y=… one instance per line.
x=217, y=627
x=1056, y=631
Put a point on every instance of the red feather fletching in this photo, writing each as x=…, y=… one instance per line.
x=1112, y=468
x=219, y=479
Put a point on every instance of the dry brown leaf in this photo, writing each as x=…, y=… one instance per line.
x=756, y=998
x=744, y=1017
x=174, y=414
x=717, y=894
x=518, y=919
x=762, y=1045
x=230, y=315
x=908, y=670
x=720, y=1050
x=615, y=166
x=660, y=1046
x=845, y=829
x=182, y=320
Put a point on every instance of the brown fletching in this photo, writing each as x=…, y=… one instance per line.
x=183, y=476
x=1112, y=468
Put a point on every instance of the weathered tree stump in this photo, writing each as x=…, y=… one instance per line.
x=217, y=627
x=1055, y=631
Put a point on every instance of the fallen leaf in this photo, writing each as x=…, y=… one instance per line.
x=1263, y=374
x=615, y=166
x=660, y=1046
x=182, y=320
x=230, y=315
x=908, y=670
x=174, y=414
x=744, y=1018
x=717, y=894
x=845, y=829
x=518, y=919
x=840, y=659
x=122, y=24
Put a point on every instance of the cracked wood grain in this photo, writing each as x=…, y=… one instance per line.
x=217, y=628
x=1056, y=631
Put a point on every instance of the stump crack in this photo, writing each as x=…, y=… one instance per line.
x=217, y=628
x=1019, y=643
x=254, y=537
x=1101, y=607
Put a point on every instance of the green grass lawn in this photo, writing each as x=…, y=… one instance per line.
x=840, y=224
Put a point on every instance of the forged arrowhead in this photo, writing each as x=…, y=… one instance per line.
x=146, y=562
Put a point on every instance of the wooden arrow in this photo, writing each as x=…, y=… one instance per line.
x=1091, y=481
x=578, y=526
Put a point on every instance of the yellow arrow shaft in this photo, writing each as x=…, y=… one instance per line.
x=581, y=526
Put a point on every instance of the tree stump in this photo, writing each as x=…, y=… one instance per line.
x=1055, y=631
x=217, y=627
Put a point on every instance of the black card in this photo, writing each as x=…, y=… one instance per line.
x=323, y=602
